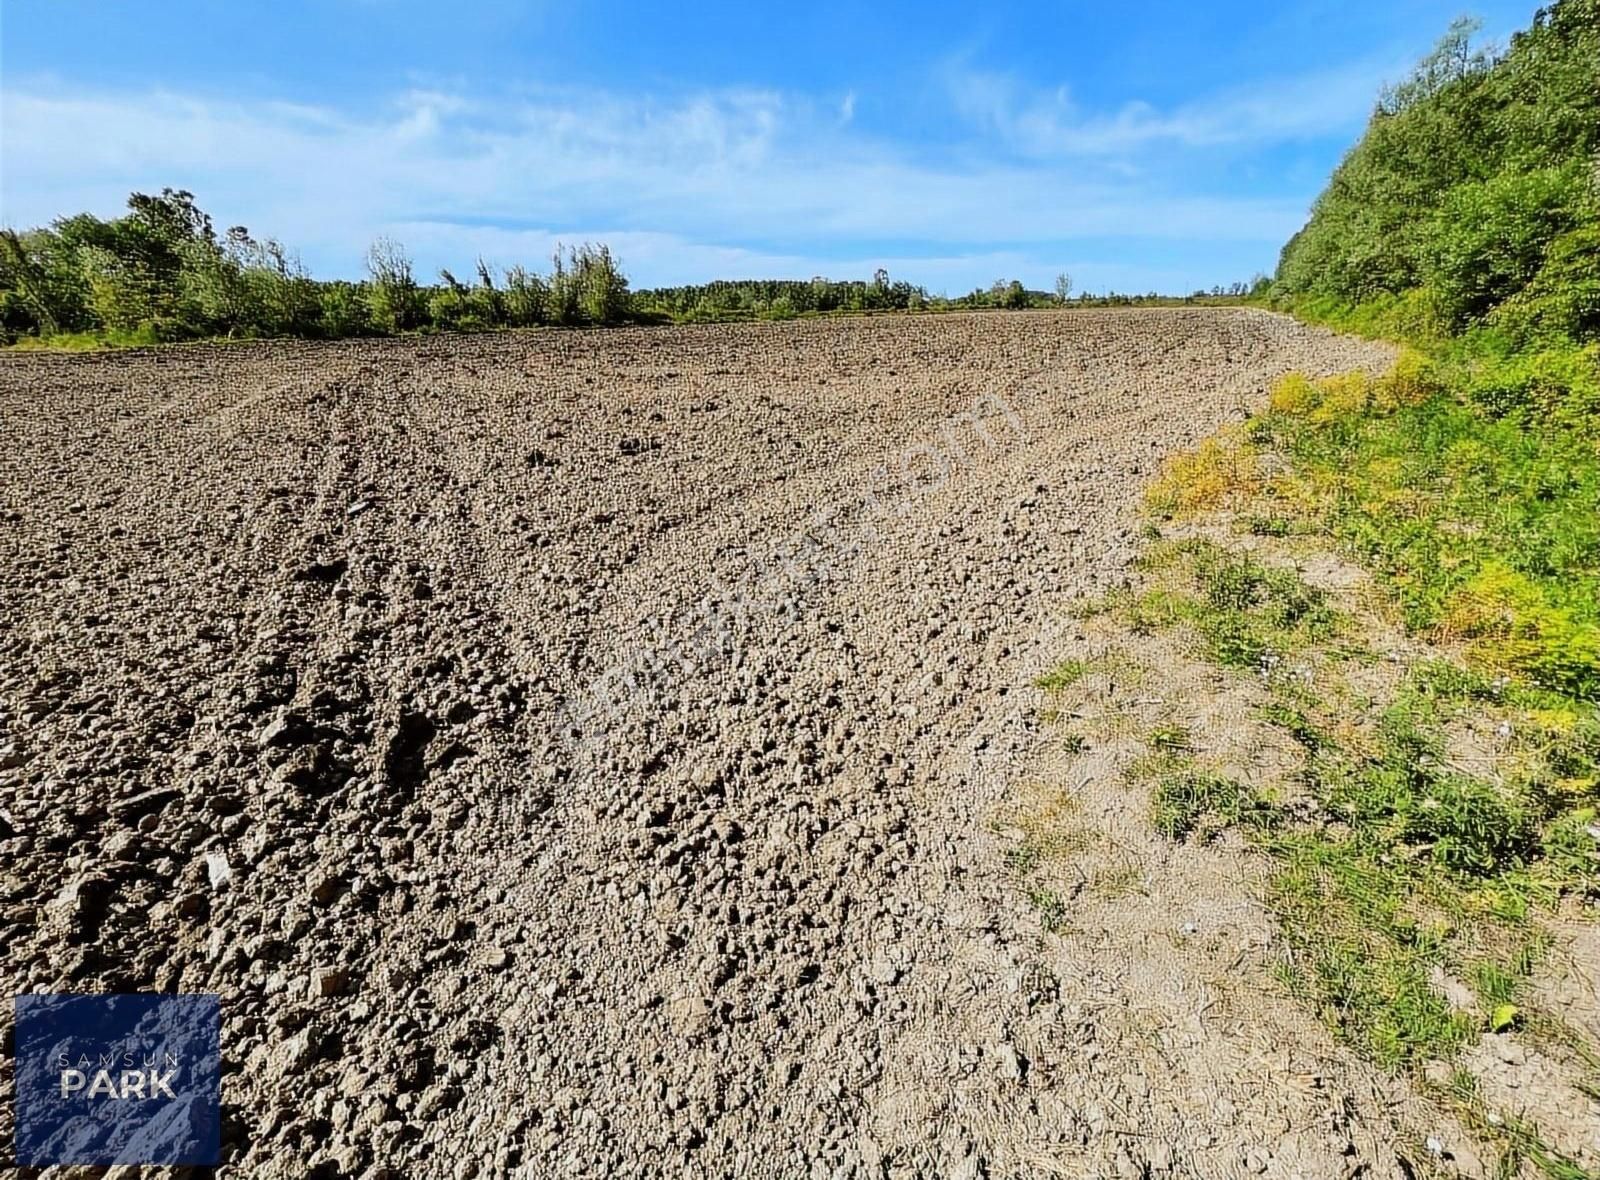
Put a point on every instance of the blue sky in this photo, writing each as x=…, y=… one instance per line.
x=1154, y=146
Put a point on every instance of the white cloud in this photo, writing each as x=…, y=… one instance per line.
x=685, y=187
x=1048, y=122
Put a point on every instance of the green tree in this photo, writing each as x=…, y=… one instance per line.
x=525, y=297
x=397, y=304
x=343, y=310
x=1470, y=172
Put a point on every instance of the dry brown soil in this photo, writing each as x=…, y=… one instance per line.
x=590, y=753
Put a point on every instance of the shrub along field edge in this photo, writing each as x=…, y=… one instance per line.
x=162, y=273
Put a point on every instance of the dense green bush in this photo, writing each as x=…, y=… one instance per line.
x=587, y=287
x=1467, y=222
x=1491, y=236
x=1475, y=182
x=120, y=293
x=345, y=310
x=161, y=272
x=526, y=298
x=397, y=304
x=1563, y=299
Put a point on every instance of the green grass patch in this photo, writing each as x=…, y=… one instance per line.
x=1063, y=676
x=1399, y=866
x=1246, y=614
x=1485, y=525
x=1189, y=800
x=1393, y=864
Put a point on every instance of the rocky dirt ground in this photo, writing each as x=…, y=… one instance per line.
x=590, y=753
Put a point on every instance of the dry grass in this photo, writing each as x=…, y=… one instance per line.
x=1217, y=474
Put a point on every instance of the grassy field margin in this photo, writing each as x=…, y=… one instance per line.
x=1442, y=816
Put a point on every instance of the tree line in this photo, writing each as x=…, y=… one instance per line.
x=162, y=272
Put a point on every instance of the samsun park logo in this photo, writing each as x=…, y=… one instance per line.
x=118, y=1079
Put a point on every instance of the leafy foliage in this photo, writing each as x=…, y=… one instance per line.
x=1468, y=478
x=1486, y=530
x=1209, y=477
x=162, y=272
x=1475, y=175
x=1467, y=221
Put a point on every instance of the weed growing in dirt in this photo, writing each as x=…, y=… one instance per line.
x=1293, y=720
x=1172, y=738
x=1190, y=800
x=1052, y=909
x=1270, y=525
x=1063, y=676
x=1048, y=838
x=1519, y=1140
x=1411, y=881
x=1402, y=867
x=1024, y=858
x=1246, y=614
x=1110, y=884
x=1216, y=474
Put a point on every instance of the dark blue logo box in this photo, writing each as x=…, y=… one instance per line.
x=118, y=1079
